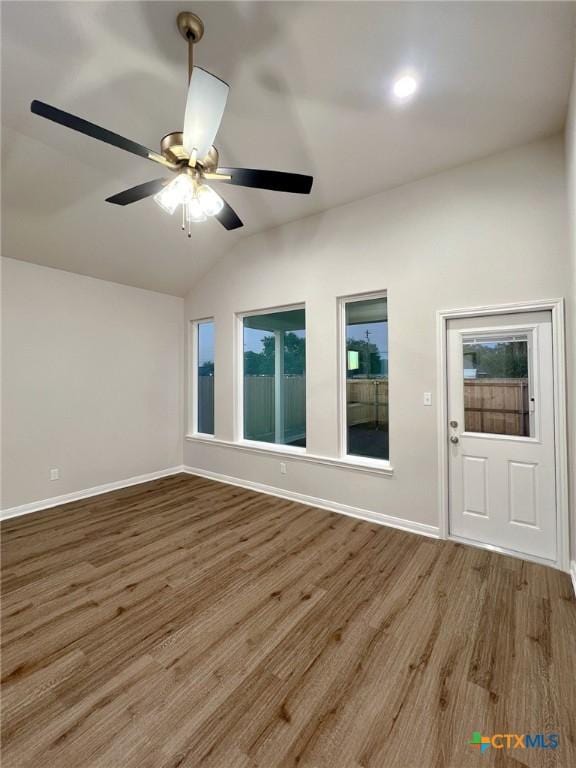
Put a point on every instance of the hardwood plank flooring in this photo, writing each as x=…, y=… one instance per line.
x=185, y=623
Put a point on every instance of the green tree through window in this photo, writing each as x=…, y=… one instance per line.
x=262, y=363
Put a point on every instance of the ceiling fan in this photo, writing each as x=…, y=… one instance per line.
x=190, y=154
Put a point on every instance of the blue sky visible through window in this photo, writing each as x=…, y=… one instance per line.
x=378, y=335
x=205, y=343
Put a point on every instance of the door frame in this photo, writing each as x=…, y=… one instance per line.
x=556, y=307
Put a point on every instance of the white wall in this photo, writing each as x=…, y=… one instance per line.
x=571, y=336
x=490, y=232
x=92, y=382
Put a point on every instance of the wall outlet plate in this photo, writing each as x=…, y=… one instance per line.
x=54, y=474
x=427, y=398
x=282, y=467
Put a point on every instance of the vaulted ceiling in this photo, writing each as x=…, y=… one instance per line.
x=310, y=92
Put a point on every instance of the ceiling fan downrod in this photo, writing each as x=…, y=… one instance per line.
x=191, y=27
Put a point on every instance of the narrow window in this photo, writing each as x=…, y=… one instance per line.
x=366, y=377
x=274, y=377
x=204, y=405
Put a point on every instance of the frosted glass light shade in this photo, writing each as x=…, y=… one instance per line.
x=205, y=105
x=178, y=192
x=210, y=202
x=194, y=212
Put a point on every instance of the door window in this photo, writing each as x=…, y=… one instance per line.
x=497, y=386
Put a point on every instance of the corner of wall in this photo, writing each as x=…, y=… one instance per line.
x=570, y=142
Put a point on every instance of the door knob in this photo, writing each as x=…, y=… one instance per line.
x=454, y=439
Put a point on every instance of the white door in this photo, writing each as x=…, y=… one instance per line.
x=502, y=487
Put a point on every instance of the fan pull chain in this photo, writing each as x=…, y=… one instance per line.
x=183, y=218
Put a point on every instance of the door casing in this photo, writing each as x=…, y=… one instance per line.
x=556, y=307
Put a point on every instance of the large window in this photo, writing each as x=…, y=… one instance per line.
x=204, y=374
x=365, y=324
x=274, y=354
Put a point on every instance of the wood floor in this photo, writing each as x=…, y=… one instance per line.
x=189, y=623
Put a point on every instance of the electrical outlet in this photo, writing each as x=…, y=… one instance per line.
x=54, y=474
x=282, y=468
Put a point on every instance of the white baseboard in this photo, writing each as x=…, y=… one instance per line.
x=313, y=501
x=55, y=501
x=573, y=574
x=332, y=506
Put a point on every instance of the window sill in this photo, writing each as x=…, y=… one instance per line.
x=257, y=445
x=376, y=467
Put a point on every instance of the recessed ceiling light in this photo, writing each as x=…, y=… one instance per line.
x=405, y=87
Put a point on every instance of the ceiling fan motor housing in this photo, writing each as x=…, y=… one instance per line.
x=172, y=148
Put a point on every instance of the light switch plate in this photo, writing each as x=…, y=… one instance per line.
x=427, y=398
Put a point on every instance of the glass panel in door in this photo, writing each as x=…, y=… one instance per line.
x=497, y=387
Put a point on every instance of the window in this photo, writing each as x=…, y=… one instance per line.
x=365, y=399
x=497, y=385
x=274, y=377
x=203, y=406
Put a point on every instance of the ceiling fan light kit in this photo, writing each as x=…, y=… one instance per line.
x=190, y=154
x=198, y=200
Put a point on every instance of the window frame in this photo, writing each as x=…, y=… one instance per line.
x=350, y=458
x=193, y=389
x=239, y=438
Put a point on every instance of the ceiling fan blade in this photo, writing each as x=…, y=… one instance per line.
x=228, y=217
x=95, y=131
x=275, y=180
x=139, y=192
x=205, y=105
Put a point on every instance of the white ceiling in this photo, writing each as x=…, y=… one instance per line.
x=309, y=93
